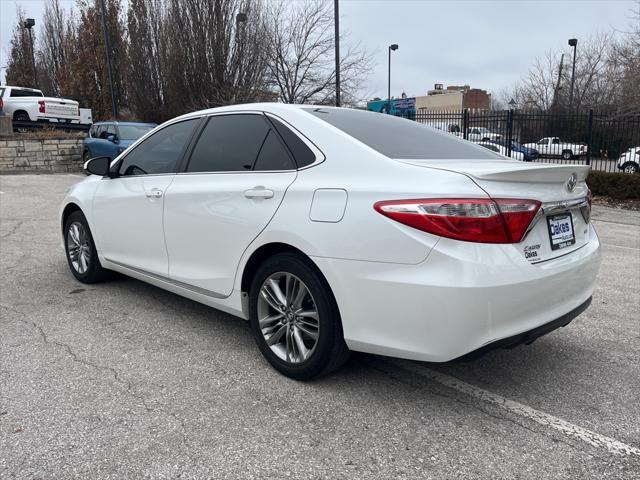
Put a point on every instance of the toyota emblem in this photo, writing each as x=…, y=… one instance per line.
x=571, y=183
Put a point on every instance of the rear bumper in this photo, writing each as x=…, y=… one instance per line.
x=464, y=297
x=530, y=336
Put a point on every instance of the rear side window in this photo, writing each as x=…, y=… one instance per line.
x=229, y=143
x=302, y=154
x=400, y=138
x=160, y=152
x=21, y=92
x=273, y=155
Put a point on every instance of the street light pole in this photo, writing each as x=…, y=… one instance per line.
x=573, y=42
x=28, y=24
x=107, y=48
x=336, y=24
x=393, y=46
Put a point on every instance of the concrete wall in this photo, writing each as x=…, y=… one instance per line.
x=40, y=155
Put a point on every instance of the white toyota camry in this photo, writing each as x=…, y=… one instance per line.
x=333, y=230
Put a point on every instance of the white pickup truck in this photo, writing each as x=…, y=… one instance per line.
x=554, y=147
x=29, y=104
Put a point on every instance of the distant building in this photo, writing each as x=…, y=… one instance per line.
x=439, y=99
x=454, y=98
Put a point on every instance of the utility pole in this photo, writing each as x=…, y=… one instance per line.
x=336, y=23
x=107, y=48
x=29, y=24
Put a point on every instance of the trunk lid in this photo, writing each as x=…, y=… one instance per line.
x=563, y=208
x=60, y=108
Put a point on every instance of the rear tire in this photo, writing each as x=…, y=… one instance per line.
x=21, y=117
x=630, y=167
x=81, y=252
x=299, y=332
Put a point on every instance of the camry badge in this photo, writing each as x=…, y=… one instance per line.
x=571, y=183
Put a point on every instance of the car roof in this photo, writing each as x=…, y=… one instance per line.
x=116, y=122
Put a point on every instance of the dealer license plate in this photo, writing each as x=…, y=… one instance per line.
x=561, y=231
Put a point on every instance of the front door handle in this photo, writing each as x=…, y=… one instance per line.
x=153, y=193
x=258, y=192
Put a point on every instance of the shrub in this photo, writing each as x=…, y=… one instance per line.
x=621, y=186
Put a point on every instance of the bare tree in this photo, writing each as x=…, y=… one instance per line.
x=302, y=65
x=19, y=65
x=597, y=79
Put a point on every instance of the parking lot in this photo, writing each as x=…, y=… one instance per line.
x=124, y=380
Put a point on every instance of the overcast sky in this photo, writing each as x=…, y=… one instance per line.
x=486, y=44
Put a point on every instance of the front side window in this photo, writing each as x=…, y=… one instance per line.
x=542, y=142
x=399, y=137
x=229, y=143
x=555, y=141
x=160, y=152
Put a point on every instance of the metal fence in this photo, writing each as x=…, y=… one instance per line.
x=604, y=136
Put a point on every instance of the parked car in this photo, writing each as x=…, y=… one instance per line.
x=481, y=134
x=629, y=161
x=29, y=104
x=335, y=229
x=528, y=154
x=495, y=147
x=110, y=139
x=554, y=147
x=452, y=128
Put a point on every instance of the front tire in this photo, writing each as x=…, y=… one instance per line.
x=567, y=155
x=80, y=250
x=630, y=167
x=295, y=319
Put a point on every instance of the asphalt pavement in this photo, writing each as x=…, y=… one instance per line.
x=124, y=380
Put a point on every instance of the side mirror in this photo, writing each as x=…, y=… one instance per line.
x=97, y=166
x=112, y=137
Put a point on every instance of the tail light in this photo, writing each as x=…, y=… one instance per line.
x=1, y=103
x=41, y=106
x=468, y=219
x=586, y=209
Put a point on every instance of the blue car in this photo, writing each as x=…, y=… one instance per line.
x=529, y=154
x=110, y=139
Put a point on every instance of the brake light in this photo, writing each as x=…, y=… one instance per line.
x=467, y=219
x=1, y=103
x=41, y=106
x=586, y=210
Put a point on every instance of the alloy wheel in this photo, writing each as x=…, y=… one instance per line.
x=288, y=317
x=630, y=169
x=78, y=247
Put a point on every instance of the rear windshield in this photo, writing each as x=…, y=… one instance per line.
x=133, y=132
x=400, y=138
x=23, y=92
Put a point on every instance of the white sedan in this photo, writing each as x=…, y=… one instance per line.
x=333, y=230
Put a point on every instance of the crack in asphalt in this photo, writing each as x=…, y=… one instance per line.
x=116, y=376
x=456, y=398
x=13, y=229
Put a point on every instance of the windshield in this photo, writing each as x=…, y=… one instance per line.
x=398, y=137
x=133, y=132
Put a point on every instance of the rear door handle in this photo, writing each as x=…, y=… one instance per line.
x=153, y=193
x=258, y=192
